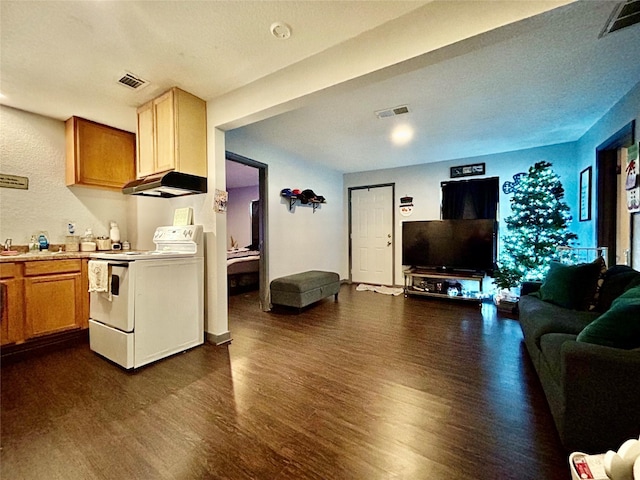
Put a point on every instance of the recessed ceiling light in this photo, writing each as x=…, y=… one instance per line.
x=402, y=134
x=280, y=30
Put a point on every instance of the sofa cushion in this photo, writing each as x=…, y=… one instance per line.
x=619, y=326
x=538, y=317
x=617, y=279
x=571, y=286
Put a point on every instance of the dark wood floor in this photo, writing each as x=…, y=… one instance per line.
x=370, y=387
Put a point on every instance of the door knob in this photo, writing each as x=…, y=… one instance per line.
x=388, y=244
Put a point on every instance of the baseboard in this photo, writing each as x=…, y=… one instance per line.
x=218, y=339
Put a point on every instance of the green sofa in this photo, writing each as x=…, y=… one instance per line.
x=584, y=343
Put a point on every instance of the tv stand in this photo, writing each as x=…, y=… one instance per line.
x=435, y=283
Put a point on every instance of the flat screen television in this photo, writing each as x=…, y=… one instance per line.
x=450, y=245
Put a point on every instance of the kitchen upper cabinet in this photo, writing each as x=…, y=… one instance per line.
x=172, y=134
x=99, y=155
x=12, y=320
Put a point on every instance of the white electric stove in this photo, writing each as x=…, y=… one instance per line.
x=154, y=306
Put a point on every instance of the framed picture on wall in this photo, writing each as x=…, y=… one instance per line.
x=585, y=194
x=467, y=170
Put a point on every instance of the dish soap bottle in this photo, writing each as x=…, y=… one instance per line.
x=43, y=241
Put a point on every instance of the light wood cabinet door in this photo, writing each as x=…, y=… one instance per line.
x=145, y=141
x=12, y=320
x=191, y=133
x=172, y=134
x=99, y=155
x=165, y=138
x=56, y=297
x=51, y=303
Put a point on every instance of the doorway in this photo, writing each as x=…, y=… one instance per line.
x=613, y=221
x=253, y=225
x=371, y=234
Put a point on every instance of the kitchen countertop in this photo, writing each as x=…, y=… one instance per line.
x=31, y=257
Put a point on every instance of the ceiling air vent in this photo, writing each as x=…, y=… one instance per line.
x=392, y=112
x=132, y=81
x=624, y=15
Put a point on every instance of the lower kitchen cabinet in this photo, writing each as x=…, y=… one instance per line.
x=43, y=298
x=12, y=319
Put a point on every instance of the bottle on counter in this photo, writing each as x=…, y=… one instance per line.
x=34, y=246
x=114, y=233
x=43, y=241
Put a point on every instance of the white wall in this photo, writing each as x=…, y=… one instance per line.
x=239, y=214
x=422, y=182
x=33, y=146
x=300, y=239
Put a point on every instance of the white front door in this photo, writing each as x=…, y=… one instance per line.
x=372, y=235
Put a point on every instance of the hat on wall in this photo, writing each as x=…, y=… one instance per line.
x=307, y=195
x=286, y=192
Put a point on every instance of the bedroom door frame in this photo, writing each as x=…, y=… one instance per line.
x=263, y=223
x=607, y=190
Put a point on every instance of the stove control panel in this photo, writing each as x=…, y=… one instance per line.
x=186, y=234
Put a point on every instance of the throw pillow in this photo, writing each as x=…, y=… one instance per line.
x=617, y=279
x=593, y=304
x=618, y=327
x=570, y=286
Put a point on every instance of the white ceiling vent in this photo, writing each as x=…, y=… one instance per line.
x=624, y=15
x=132, y=81
x=392, y=112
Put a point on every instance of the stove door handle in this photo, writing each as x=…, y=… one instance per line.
x=115, y=285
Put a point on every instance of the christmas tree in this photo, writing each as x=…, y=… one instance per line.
x=536, y=228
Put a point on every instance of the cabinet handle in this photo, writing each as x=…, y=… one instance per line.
x=3, y=300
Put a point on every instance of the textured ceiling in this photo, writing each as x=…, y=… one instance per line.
x=541, y=81
x=538, y=81
x=62, y=58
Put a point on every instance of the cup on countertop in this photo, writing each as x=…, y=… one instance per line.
x=103, y=243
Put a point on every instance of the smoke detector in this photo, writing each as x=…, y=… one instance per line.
x=280, y=30
x=132, y=81
x=392, y=112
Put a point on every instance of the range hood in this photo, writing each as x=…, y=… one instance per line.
x=166, y=185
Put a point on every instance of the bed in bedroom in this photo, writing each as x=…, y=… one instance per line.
x=243, y=270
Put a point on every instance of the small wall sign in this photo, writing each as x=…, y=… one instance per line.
x=632, y=179
x=468, y=170
x=220, y=201
x=14, y=181
x=406, y=206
